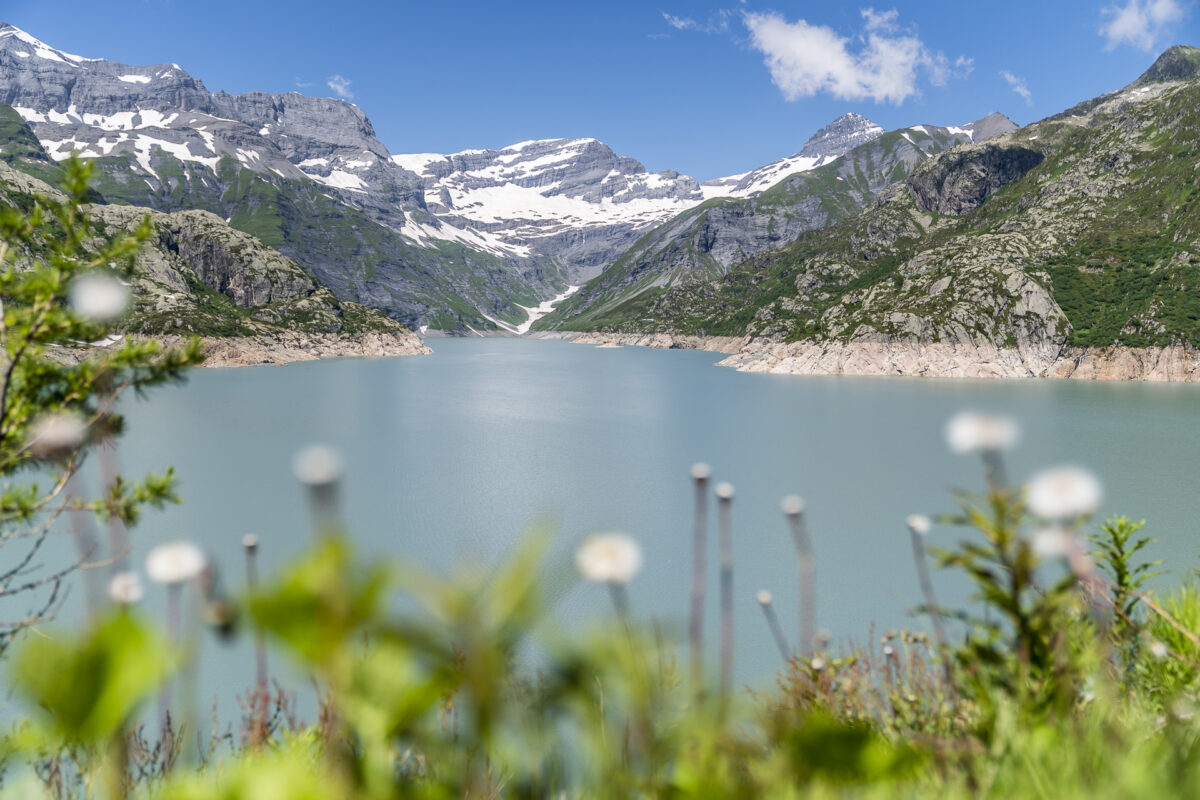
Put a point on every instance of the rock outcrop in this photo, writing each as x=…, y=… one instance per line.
x=961, y=181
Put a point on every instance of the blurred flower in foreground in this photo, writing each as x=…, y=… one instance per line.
x=125, y=588
x=969, y=432
x=1053, y=542
x=99, y=298
x=918, y=524
x=609, y=558
x=317, y=465
x=175, y=562
x=1063, y=493
x=57, y=435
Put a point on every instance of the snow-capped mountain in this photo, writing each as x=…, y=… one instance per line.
x=833, y=141
x=415, y=234
x=572, y=201
x=579, y=204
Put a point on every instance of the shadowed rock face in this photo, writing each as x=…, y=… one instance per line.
x=959, y=182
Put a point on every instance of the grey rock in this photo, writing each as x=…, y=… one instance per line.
x=959, y=182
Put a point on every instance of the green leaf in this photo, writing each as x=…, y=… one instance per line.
x=90, y=685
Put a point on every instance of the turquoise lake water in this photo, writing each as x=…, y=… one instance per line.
x=452, y=457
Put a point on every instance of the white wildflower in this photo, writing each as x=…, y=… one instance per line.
x=317, y=465
x=1053, y=542
x=792, y=505
x=1158, y=650
x=818, y=664
x=889, y=651
x=125, y=588
x=175, y=562
x=701, y=471
x=57, y=434
x=969, y=432
x=250, y=542
x=918, y=524
x=99, y=298
x=724, y=491
x=1063, y=493
x=764, y=597
x=608, y=558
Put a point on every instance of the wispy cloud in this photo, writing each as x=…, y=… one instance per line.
x=303, y=84
x=340, y=86
x=1139, y=23
x=1018, y=85
x=717, y=23
x=883, y=62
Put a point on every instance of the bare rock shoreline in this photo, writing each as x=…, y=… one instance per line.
x=937, y=360
x=285, y=348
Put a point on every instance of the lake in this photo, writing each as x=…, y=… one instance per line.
x=451, y=457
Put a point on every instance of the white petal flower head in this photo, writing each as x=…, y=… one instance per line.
x=701, y=471
x=1053, y=542
x=57, y=435
x=125, y=588
x=175, y=562
x=792, y=505
x=724, y=491
x=969, y=432
x=609, y=558
x=1158, y=650
x=317, y=465
x=1064, y=493
x=250, y=542
x=764, y=597
x=99, y=298
x=918, y=524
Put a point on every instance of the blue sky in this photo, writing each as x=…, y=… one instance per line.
x=708, y=89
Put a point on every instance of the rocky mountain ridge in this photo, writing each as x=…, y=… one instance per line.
x=705, y=241
x=196, y=275
x=1072, y=241
x=462, y=242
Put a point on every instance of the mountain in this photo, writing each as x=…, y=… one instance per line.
x=703, y=242
x=570, y=202
x=1036, y=249
x=196, y=275
x=835, y=139
x=305, y=175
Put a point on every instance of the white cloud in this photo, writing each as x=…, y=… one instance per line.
x=1139, y=23
x=717, y=23
x=340, y=86
x=1018, y=85
x=805, y=59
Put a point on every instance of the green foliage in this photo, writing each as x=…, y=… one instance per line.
x=46, y=248
x=89, y=686
x=1116, y=547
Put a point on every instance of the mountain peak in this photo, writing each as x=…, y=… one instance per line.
x=40, y=48
x=845, y=132
x=1178, y=63
x=990, y=126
